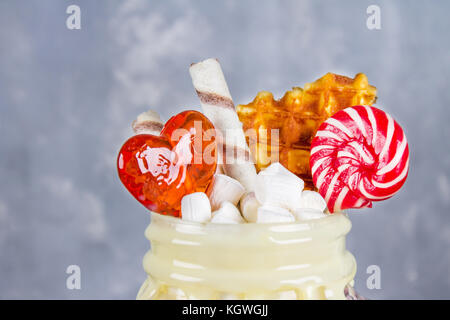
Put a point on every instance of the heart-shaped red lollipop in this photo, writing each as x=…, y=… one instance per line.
x=159, y=170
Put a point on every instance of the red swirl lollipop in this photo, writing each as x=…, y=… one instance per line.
x=359, y=155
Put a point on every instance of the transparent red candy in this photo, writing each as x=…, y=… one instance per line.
x=159, y=170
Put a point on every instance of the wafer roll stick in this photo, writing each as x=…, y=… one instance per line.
x=218, y=106
x=148, y=122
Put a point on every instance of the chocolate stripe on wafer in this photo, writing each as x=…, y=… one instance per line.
x=235, y=153
x=146, y=126
x=215, y=100
x=147, y=123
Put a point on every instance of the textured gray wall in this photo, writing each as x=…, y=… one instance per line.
x=67, y=98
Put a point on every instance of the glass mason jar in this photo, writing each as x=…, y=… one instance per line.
x=300, y=260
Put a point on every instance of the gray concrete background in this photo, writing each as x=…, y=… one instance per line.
x=67, y=98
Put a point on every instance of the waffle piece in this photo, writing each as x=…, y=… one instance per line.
x=297, y=116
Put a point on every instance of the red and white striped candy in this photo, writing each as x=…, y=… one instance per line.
x=359, y=155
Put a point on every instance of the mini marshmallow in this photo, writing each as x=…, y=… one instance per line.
x=228, y=213
x=312, y=200
x=308, y=214
x=224, y=188
x=277, y=186
x=196, y=207
x=276, y=168
x=249, y=207
x=271, y=214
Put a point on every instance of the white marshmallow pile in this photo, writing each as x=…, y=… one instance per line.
x=312, y=206
x=249, y=207
x=227, y=213
x=277, y=186
x=224, y=188
x=282, y=198
x=218, y=205
x=272, y=214
x=278, y=198
x=196, y=207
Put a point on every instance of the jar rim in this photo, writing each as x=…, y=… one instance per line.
x=337, y=223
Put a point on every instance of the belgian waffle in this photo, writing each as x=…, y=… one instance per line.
x=297, y=116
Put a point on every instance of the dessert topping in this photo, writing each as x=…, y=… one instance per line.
x=312, y=200
x=215, y=98
x=249, y=207
x=273, y=214
x=196, y=207
x=359, y=155
x=277, y=186
x=159, y=170
x=227, y=213
x=224, y=188
x=148, y=122
x=308, y=214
